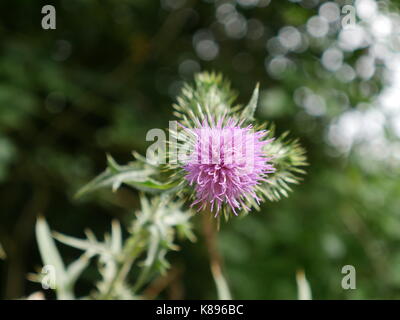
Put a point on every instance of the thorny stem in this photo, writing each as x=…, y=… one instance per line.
x=154, y=247
x=210, y=235
x=133, y=250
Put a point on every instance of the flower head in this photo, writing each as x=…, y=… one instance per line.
x=226, y=164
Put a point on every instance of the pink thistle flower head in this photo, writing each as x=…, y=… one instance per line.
x=226, y=163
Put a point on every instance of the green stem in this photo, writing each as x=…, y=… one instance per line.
x=209, y=230
x=151, y=258
x=134, y=248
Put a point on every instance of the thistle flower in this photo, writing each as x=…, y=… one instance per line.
x=230, y=163
x=217, y=155
x=227, y=162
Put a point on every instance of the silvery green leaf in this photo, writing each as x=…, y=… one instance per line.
x=222, y=287
x=185, y=231
x=152, y=185
x=47, y=247
x=116, y=237
x=135, y=174
x=151, y=258
x=75, y=269
x=153, y=247
x=116, y=174
x=85, y=245
x=145, y=206
x=142, y=159
x=249, y=110
x=51, y=257
x=303, y=287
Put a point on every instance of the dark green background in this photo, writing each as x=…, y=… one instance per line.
x=110, y=72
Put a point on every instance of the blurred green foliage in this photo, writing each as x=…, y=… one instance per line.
x=110, y=72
